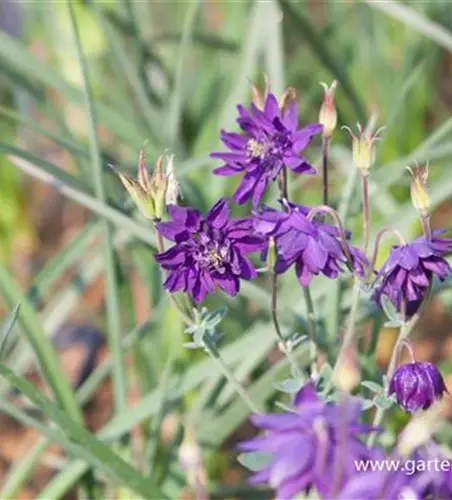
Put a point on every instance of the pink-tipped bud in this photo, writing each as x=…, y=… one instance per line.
x=328, y=114
x=419, y=190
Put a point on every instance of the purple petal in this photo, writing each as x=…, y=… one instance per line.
x=228, y=170
x=218, y=215
x=271, y=108
x=304, y=136
x=290, y=119
x=228, y=283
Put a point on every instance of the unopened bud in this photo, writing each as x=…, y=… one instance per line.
x=287, y=98
x=173, y=190
x=419, y=190
x=363, y=147
x=272, y=254
x=328, y=114
x=258, y=98
x=152, y=191
x=190, y=459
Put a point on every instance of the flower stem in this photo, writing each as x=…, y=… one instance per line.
x=215, y=354
x=349, y=334
x=284, y=346
x=366, y=215
x=405, y=331
x=425, y=220
x=312, y=331
x=378, y=239
x=282, y=182
x=209, y=344
x=325, y=148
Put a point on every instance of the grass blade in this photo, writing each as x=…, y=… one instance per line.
x=48, y=362
x=413, y=19
x=7, y=327
x=92, y=448
x=112, y=299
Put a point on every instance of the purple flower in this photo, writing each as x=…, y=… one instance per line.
x=271, y=141
x=314, y=247
x=385, y=483
x=407, y=274
x=316, y=445
x=209, y=252
x=417, y=385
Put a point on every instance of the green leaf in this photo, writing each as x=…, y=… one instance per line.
x=372, y=386
x=99, y=453
x=289, y=385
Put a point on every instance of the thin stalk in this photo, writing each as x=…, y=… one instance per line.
x=325, y=149
x=161, y=248
x=404, y=333
x=349, y=334
x=366, y=211
x=112, y=299
x=282, y=344
x=425, y=220
x=312, y=330
x=215, y=354
x=283, y=189
x=378, y=239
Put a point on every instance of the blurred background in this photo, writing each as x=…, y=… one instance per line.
x=169, y=74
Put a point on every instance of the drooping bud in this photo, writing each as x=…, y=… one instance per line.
x=363, y=147
x=417, y=385
x=419, y=190
x=328, y=114
x=190, y=460
x=150, y=191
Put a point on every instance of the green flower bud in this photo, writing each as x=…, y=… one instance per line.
x=419, y=190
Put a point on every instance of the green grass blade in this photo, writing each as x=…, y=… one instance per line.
x=100, y=455
x=274, y=50
x=112, y=299
x=7, y=327
x=415, y=20
x=63, y=261
x=48, y=362
x=17, y=56
x=176, y=101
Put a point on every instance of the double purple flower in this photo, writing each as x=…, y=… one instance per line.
x=315, y=445
x=209, y=252
x=271, y=141
x=407, y=274
x=313, y=246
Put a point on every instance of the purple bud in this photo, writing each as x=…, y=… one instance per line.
x=417, y=385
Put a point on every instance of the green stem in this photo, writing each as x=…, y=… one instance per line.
x=425, y=220
x=366, y=214
x=312, y=330
x=349, y=334
x=325, y=147
x=283, y=345
x=215, y=354
x=405, y=330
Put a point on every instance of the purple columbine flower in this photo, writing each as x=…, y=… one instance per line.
x=385, y=483
x=271, y=141
x=209, y=252
x=407, y=274
x=417, y=385
x=313, y=246
x=316, y=445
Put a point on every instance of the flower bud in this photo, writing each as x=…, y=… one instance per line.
x=272, y=254
x=152, y=192
x=419, y=190
x=328, y=114
x=363, y=147
x=258, y=98
x=417, y=385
